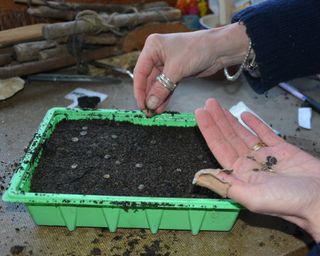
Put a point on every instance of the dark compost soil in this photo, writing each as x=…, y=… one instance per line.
x=119, y=158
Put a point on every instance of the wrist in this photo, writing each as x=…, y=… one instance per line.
x=232, y=44
x=314, y=229
x=312, y=213
x=314, y=226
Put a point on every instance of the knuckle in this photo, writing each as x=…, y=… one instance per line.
x=153, y=38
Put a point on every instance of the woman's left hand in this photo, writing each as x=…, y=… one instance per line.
x=278, y=179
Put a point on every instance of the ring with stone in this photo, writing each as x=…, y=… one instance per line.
x=166, y=82
x=258, y=146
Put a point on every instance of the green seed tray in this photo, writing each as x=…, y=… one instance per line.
x=113, y=212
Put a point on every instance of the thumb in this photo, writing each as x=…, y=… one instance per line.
x=210, y=178
x=158, y=93
x=241, y=192
x=224, y=184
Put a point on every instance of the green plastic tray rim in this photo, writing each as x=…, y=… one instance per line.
x=17, y=190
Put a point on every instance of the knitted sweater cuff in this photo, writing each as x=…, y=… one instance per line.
x=285, y=37
x=315, y=251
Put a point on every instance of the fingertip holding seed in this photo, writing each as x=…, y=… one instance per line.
x=149, y=112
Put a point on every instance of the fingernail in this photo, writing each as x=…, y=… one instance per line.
x=153, y=102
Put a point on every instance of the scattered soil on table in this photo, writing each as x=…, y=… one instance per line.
x=95, y=251
x=140, y=242
x=17, y=249
x=153, y=249
x=118, y=158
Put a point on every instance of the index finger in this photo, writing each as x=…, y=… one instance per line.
x=141, y=73
x=223, y=151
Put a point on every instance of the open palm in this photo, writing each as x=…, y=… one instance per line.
x=278, y=179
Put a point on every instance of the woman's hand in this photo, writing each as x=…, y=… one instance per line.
x=179, y=55
x=278, y=179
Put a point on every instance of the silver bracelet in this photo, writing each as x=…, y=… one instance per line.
x=244, y=65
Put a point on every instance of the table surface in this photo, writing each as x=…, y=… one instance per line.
x=253, y=234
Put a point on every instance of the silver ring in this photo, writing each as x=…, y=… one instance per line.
x=166, y=82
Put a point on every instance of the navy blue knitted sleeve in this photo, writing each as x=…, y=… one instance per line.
x=286, y=39
x=315, y=251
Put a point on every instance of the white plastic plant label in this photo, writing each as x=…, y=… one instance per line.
x=79, y=92
x=239, y=108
